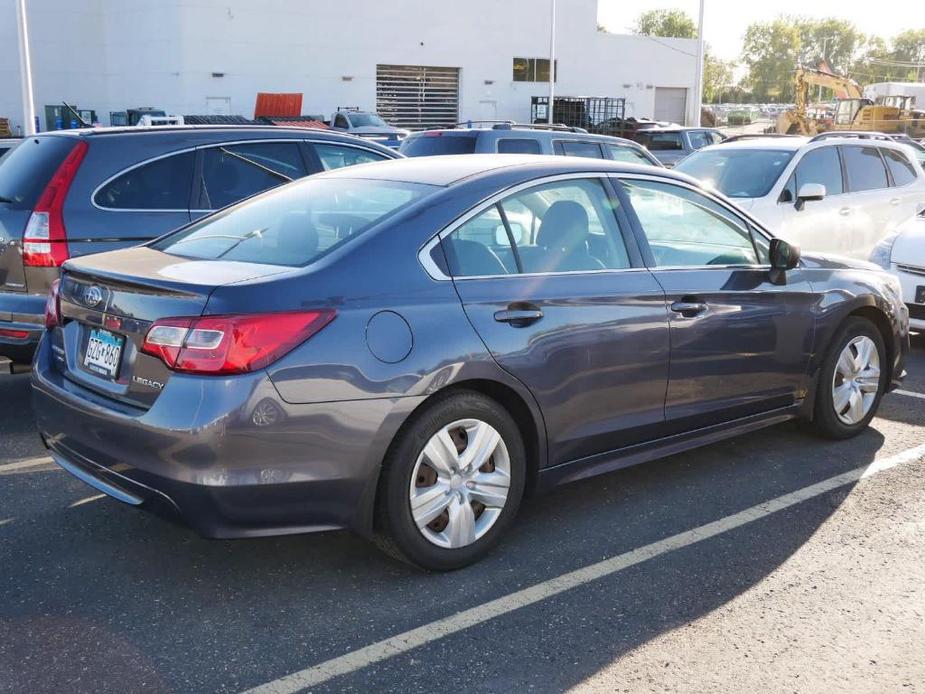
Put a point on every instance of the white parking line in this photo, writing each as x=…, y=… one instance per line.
x=87, y=500
x=910, y=394
x=43, y=461
x=402, y=643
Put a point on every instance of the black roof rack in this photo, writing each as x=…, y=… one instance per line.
x=859, y=134
x=540, y=126
x=757, y=136
x=468, y=123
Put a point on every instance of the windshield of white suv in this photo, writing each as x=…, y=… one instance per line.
x=738, y=173
x=366, y=120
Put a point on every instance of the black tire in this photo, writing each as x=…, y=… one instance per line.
x=396, y=532
x=825, y=419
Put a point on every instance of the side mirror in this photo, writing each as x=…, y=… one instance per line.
x=784, y=256
x=808, y=192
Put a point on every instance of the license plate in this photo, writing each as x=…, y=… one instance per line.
x=920, y=294
x=104, y=352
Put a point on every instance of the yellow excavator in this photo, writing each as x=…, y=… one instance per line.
x=853, y=111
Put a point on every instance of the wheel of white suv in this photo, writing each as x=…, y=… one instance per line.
x=852, y=380
x=451, y=483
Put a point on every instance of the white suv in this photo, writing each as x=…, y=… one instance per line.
x=903, y=254
x=833, y=193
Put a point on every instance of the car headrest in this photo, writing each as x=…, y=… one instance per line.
x=296, y=234
x=470, y=258
x=564, y=226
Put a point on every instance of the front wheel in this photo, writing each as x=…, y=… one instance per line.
x=451, y=484
x=852, y=381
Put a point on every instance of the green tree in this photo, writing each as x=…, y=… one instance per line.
x=667, y=24
x=717, y=76
x=770, y=52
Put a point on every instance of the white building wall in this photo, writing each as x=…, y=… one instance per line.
x=116, y=54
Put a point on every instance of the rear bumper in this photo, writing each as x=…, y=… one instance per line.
x=198, y=455
x=25, y=313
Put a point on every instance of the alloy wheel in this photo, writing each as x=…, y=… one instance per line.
x=460, y=483
x=856, y=380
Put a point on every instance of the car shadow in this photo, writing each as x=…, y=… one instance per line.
x=112, y=595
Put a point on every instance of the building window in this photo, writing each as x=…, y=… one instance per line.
x=533, y=70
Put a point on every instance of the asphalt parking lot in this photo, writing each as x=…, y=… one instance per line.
x=759, y=564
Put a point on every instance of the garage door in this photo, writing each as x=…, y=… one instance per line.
x=418, y=97
x=670, y=104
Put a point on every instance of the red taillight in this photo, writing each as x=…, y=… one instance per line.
x=231, y=344
x=53, y=306
x=44, y=242
x=14, y=334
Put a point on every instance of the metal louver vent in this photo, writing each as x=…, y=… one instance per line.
x=418, y=97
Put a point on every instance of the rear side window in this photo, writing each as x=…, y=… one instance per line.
x=821, y=166
x=591, y=150
x=163, y=184
x=233, y=172
x=438, y=142
x=865, y=168
x=518, y=145
x=295, y=225
x=899, y=166
x=26, y=170
x=630, y=155
x=699, y=138
x=339, y=156
x=663, y=142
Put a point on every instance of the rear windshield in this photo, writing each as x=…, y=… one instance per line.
x=737, y=173
x=438, y=143
x=293, y=225
x=26, y=169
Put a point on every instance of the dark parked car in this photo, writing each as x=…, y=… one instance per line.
x=670, y=145
x=70, y=193
x=514, y=138
x=405, y=348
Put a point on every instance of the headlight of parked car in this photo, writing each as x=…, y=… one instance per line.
x=883, y=251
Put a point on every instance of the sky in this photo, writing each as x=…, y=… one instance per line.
x=725, y=21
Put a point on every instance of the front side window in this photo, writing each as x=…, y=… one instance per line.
x=820, y=166
x=685, y=228
x=565, y=226
x=163, y=184
x=518, y=145
x=900, y=168
x=340, y=121
x=865, y=168
x=234, y=172
x=294, y=225
x=590, y=150
x=699, y=139
x=735, y=172
x=339, y=156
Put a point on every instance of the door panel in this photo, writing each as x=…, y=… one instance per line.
x=741, y=336
x=597, y=360
x=747, y=352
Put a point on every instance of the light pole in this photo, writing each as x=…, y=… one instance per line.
x=694, y=113
x=552, y=60
x=25, y=70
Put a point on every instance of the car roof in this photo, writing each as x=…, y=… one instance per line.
x=527, y=132
x=203, y=129
x=445, y=170
x=784, y=143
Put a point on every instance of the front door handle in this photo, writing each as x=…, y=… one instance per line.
x=895, y=201
x=845, y=211
x=689, y=309
x=519, y=317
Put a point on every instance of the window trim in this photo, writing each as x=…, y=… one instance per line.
x=435, y=273
x=752, y=224
x=131, y=168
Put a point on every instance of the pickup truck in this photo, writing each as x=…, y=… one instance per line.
x=367, y=124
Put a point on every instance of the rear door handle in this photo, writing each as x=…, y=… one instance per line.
x=689, y=309
x=845, y=211
x=519, y=318
x=895, y=201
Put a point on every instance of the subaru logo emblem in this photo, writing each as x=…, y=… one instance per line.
x=93, y=296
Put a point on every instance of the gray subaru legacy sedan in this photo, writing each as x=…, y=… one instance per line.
x=406, y=348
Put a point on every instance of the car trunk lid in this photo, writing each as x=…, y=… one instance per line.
x=108, y=302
